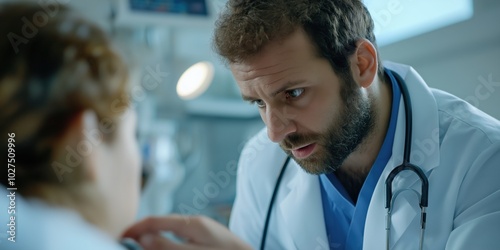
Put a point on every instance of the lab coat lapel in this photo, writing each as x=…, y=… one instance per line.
x=424, y=153
x=302, y=211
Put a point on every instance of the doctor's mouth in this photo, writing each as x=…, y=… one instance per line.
x=304, y=151
x=301, y=146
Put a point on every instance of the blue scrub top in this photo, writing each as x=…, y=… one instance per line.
x=344, y=220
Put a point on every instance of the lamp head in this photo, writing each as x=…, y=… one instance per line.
x=195, y=80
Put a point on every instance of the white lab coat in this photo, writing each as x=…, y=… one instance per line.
x=456, y=145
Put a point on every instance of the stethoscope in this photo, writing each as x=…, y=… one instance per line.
x=390, y=197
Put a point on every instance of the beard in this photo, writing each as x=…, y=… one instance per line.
x=342, y=137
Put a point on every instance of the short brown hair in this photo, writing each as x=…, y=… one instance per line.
x=53, y=66
x=334, y=26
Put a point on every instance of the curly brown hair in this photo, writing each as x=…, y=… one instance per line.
x=54, y=66
x=246, y=26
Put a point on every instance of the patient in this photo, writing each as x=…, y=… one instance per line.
x=74, y=178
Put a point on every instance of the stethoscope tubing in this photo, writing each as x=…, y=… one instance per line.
x=406, y=165
x=273, y=198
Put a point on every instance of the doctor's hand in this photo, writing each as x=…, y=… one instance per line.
x=197, y=232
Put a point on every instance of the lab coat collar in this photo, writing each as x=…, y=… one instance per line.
x=424, y=153
x=425, y=136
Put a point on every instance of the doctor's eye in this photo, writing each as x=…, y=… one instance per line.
x=259, y=103
x=294, y=93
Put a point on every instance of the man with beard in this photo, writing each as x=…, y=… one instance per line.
x=313, y=70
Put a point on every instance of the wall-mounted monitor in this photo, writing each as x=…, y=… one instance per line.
x=172, y=13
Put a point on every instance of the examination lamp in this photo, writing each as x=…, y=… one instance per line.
x=195, y=80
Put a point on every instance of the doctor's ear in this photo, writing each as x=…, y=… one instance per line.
x=364, y=63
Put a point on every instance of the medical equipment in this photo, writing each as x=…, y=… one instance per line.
x=390, y=197
x=406, y=165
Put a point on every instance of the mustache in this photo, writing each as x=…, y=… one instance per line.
x=295, y=140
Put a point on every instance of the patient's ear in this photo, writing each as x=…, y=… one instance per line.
x=77, y=148
x=364, y=63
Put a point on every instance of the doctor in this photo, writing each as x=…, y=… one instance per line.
x=328, y=102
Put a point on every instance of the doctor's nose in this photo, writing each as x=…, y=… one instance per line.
x=279, y=125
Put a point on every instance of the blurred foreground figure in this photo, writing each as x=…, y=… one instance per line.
x=67, y=131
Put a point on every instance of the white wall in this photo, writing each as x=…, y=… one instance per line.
x=460, y=58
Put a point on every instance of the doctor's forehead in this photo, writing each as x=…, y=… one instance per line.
x=293, y=51
x=249, y=70
x=272, y=75
x=262, y=67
